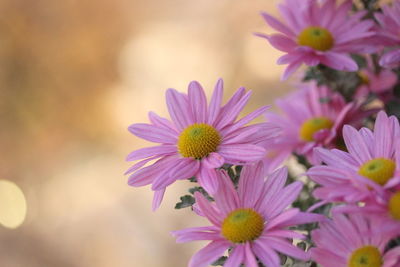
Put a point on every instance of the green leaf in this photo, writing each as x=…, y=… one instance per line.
x=186, y=201
x=193, y=179
x=393, y=108
x=220, y=261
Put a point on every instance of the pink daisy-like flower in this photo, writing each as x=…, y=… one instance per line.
x=252, y=221
x=199, y=139
x=386, y=209
x=353, y=241
x=389, y=34
x=314, y=116
x=380, y=83
x=317, y=33
x=371, y=165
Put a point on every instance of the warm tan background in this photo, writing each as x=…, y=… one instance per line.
x=73, y=75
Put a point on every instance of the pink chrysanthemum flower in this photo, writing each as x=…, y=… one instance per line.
x=353, y=241
x=380, y=84
x=389, y=34
x=386, y=209
x=314, y=116
x=317, y=33
x=199, y=139
x=371, y=165
x=252, y=221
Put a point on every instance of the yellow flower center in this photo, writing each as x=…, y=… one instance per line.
x=394, y=206
x=198, y=140
x=379, y=170
x=368, y=256
x=313, y=125
x=363, y=77
x=242, y=225
x=316, y=37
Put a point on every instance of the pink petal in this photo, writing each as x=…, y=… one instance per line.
x=286, y=248
x=273, y=185
x=266, y=254
x=327, y=175
x=197, y=101
x=348, y=231
x=293, y=20
x=392, y=258
x=208, y=179
x=291, y=69
x=277, y=25
x=326, y=12
x=210, y=253
x=240, y=136
x=228, y=106
x=355, y=144
x=390, y=59
x=284, y=234
x=285, y=198
x=236, y=257
x=231, y=112
x=279, y=41
x=289, y=58
x=332, y=159
x=240, y=154
x=153, y=133
x=248, y=118
x=322, y=135
x=182, y=169
x=157, y=198
x=226, y=197
x=383, y=136
x=139, y=164
x=251, y=183
x=196, y=234
x=250, y=259
x=213, y=160
x=339, y=61
x=281, y=218
x=208, y=210
x=326, y=258
x=255, y=133
x=302, y=218
x=162, y=122
x=151, y=151
x=215, y=102
x=148, y=174
x=178, y=108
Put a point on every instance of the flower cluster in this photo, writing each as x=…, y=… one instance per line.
x=341, y=123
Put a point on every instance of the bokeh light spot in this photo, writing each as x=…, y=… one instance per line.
x=12, y=205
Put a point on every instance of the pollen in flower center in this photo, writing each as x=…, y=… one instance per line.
x=242, y=225
x=316, y=37
x=394, y=206
x=367, y=256
x=198, y=140
x=313, y=125
x=379, y=170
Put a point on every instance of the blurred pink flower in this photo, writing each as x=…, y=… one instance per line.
x=199, y=139
x=313, y=116
x=317, y=33
x=371, y=165
x=252, y=220
x=389, y=34
x=386, y=209
x=353, y=241
x=380, y=84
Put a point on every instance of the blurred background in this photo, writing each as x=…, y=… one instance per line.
x=73, y=76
